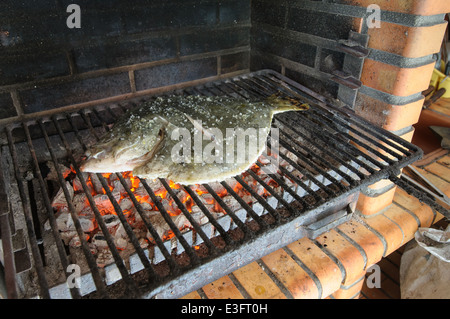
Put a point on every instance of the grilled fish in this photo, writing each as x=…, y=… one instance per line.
x=189, y=140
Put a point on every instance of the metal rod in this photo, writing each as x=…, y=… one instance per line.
x=331, y=156
x=171, y=262
x=173, y=266
x=151, y=273
x=191, y=220
x=50, y=214
x=43, y=284
x=210, y=217
x=327, y=143
x=192, y=255
x=227, y=209
x=8, y=257
x=420, y=194
x=261, y=93
x=261, y=200
x=132, y=288
x=385, y=136
x=271, y=190
x=305, y=137
x=6, y=237
x=359, y=137
x=356, y=140
x=261, y=222
x=98, y=280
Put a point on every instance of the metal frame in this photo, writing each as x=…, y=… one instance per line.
x=355, y=154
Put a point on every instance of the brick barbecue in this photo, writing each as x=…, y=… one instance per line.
x=59, y=83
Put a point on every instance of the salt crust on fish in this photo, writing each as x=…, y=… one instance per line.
x=142, y=142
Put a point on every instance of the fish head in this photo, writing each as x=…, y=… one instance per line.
x=126, y=146
x=283, y=104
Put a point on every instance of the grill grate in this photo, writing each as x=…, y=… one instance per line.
x=336, y=152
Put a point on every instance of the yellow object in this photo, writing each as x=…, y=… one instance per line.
x=440, y=80
x=442, y=69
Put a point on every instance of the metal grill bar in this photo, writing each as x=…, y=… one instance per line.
x=261, y=222
x=172, y=264
x=43, y=284
x=272, y=191
x=261, y=200
x=336, y=153
x=384, y=136
x=227, y=210
x=133, y=290
x=61, y=251
x=321, y=142
x=211, y=218
x=7, y=245
x=173, y=227
x=186, y=213
x=327, y=137
x=98, y=280
x=151, y=272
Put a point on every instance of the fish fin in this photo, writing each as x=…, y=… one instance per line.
x=283, y=104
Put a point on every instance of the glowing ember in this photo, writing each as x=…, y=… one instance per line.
x=126, y=189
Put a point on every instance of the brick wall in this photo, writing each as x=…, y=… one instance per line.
x=122, y=49
x=298, y=38
x=125, y=49
x=397, y=70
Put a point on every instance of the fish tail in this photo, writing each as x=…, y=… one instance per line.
x=283, y=104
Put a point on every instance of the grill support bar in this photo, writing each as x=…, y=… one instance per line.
x=43, y=284
x=61, y=251
x=249, y=251
x=273, y=231
x=98, y=280
x=151, y=273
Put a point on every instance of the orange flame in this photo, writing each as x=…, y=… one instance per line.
x=106, y=208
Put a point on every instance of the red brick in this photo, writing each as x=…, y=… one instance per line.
x=388, y=116
x=221, y=289
x=319, y=263
x=396, y=80
x=348, y=255
x=440, y=170
x=391, y=233
x=445, y=160
x=422, y=211
x=367, y=205
x=257, y=283
x=437, y=180
x=350, y=291
x=369, y=242
x=417, y=7
x=294, y=278
x=408, y=224
x=410, y=42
